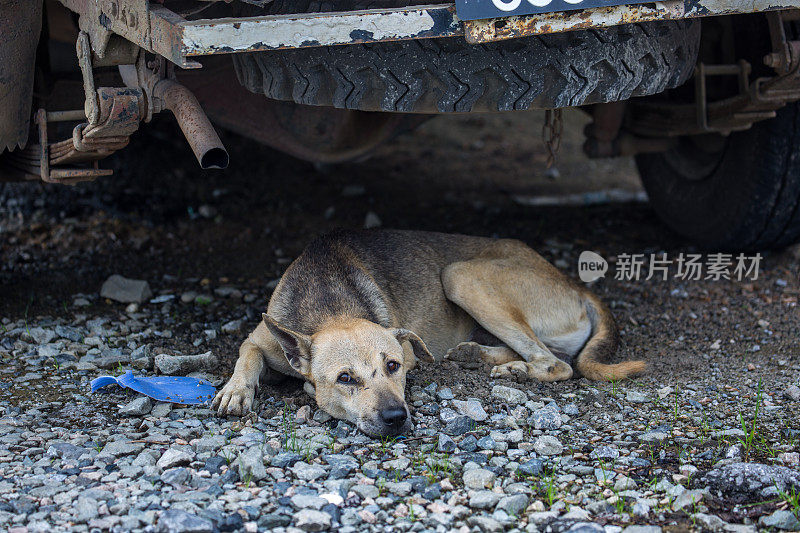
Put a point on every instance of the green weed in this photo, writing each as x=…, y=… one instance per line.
x=792, y=500
x=751, y=430
x=289, y=430
x=437, y=467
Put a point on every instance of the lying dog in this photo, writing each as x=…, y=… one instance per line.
x=353, y=314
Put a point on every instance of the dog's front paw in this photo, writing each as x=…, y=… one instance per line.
x=235, y=398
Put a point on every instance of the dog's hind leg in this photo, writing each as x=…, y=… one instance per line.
x=506, y=290
x=471, y=354
x=518, y=371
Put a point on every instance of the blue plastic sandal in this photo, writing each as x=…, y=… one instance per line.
x=175, y=389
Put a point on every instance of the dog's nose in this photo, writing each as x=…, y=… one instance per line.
x=393, y=416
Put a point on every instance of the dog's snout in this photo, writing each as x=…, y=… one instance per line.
x=394, y=416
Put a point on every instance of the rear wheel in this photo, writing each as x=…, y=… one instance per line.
x=735, y=192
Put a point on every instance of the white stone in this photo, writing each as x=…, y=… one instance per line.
x=174, y=457
x=479, y=479
x=548, y=445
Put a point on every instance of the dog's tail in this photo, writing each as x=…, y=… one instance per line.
x=602, y=345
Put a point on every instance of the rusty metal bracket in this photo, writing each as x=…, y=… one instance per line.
x=784, y=56
x=118, y=117
x=178, y=39
x=481, y=31
x=83, y=49
x=755, y=100
x=741, y=70
x=110, y=116
x=113, y=114
x=45, y=150
x=145, y=75
x=102, y=18
x=163, y=32
x=760, y=99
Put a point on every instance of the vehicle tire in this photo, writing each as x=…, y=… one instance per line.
x=740, y=192
x=449, y=75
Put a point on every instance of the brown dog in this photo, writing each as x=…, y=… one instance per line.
x=355, y=311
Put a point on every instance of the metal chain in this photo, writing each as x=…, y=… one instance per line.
x=551, y=134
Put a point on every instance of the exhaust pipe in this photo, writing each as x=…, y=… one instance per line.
x=194, y=123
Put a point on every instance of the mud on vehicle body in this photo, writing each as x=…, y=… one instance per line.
x=703, y=93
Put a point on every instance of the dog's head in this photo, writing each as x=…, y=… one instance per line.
x=358, y=369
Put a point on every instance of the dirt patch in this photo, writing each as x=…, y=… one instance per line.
x=724, y=348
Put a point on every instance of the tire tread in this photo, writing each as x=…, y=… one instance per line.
x=448, y=75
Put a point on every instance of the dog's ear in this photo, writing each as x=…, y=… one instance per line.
x=420, y=350
x=296, y=346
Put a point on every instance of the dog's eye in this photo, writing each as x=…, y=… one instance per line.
x=392, y=366
x=344, y=377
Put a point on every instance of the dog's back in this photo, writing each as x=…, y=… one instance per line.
x=390, y=277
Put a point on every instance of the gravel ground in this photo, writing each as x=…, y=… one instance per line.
x=706, y=440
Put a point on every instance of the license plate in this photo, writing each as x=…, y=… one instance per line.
x=489, y=9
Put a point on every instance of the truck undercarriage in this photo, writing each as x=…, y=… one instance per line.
x=328, y=85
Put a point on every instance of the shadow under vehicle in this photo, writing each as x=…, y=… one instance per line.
x=702, y=92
